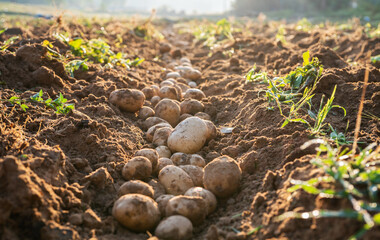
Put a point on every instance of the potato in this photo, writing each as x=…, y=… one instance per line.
x=222, y=176
x=197, y=160
x=175, y=228
x=184, y=116
x=179, y=91
x=165, y=47
x=180, y=159
x=155, y=100
x=192, y=208
x=168, y=92
x=183, y=81
x=194, y=93
x=195, y=173
x=156, y=89
x=136, y=186
x=173, y=75
x=182, y=86
x=175, y=180
x=162, y=201
x=192, y=74
x=191, y=106
x=163, y=162
x=158, y=188
x=146, y=112
x=212, y=132
x=168, y=110
x=150, y=133
x=151, y=121
x=161, y=135
x=208, y=196
x=166, y=82
x=129, y=100
x=137, y=168
x=150, y=154
x=192, y=84
x=149, y=92
x=189, y=136
x=136, y=212
x=185, y=60
x=203, y=116
x=163, y=152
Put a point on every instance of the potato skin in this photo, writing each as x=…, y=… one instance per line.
x=222, y=176
x=162, y=201
x=175, y=180
x=191, y=106
x=163, y=152
x=189, y=136
x=137, y=168
x=150, y=133
x=190, y=207
x=150, y=154
x=168, y=110
x=168, y=92
x=136, y=212
x=197, y=160
x=180, y=159
x=175, y=228
x=195, y=173
x=136, y=186
x=160, y=137
x=146, y=112
x=129, y=100
x=194, y=93
x=163, y=162
x=208, y=196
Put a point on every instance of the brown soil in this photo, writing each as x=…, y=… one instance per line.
x=59, y=174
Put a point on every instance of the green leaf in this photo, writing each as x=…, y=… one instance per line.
x=24, y=107
x=376, y=218
x=306, y=58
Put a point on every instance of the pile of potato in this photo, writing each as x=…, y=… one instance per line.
x=170, y=188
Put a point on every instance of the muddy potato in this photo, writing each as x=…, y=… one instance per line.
x=163, y=152
x=194, y=75
x=183, y=81
x=129, y=100
x=175, y=180
x=166, y=82
x=194, y=93
x=208, y=196
x=158, y=188
x=150, y=154
x=183, y=87
x=165, y=47
x=173, y=75
x=136, y=186
x=180, y=159
x=212, y=132
x=156, y=89
x=151, y=121
x=189, y=136
x=162, y=201
x=168, y=92
x=184, y=116
x=185, y=60
x=192, y=208
x=136, y=212
x=192, y=84
x=191, y=106
x=195, y=173
x=149, y=92
x=146, y=112
x=203, y=116
x=137, y=168
x=175, y=227
x=179, y=91
x=168, y=110
x=150, y=133
x=197, y=160
x=155, y=100
x=161, y=135
x=222, y=176
x=163, y=162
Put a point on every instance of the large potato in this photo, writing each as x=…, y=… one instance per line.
x=197, y=160
x=189, y=136
x=192, y=208
x=136, y=186
x=146, y=112
x=163, y=152
x=150, y=133
x=129, y=100
x=162, y=201
x=175, y=227
x=150, y=154
x=192, y=106
x=160, y=137
x=168, y=110
x=137, y=212
x=195, y=173
x=175, y=180
x=208, y=196
x=180, y=159
x=168, y=92
x=222, y=176
x=137, y=168
x=194, y=93
x=163, y=162
x=151, y=121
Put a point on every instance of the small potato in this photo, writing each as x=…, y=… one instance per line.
x=208, y=196
x=150, y=154
x=149, y=92
x=163, y=162
x=185, y=60
x=146, y=112
x=129, y=100
x=158, y=188
x=179, y=91
x=165, y=47
x=136, y=212
x=137, y=168
x=155, y=100
x=175, y=180
x=183, y=81
x=180, y=159
x=192, y=106
x=160, y=137
x=151, y=121
x=156, y=89
x=194, y=93
x=184, y=87
x=203, y=116
x=136, y=186
x=168, y=110
x=212, y=132
x=150, y=133
x=193, y=75
x=222, y=176
x=173, y=75
x=195, y=172
x=175, y=228
x=168, y=92
x=162, y=201
x=192, y=84
x=166, y=82
x=197, y=160
x=189, y=136
x=163, y=152
x=192, y=208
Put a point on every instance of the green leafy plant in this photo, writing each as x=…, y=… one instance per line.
x=74, y=65
x=8, y=43
x=375, y=59
x=358, y=181
x=253, y=76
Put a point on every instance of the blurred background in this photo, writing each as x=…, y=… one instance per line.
x=273, y=9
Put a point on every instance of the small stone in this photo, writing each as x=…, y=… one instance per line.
x=76, y=218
